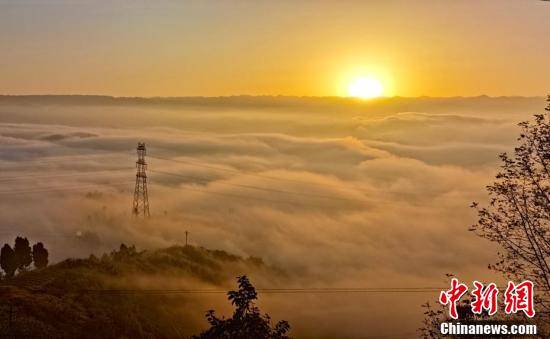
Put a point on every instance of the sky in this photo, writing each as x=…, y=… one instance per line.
x=306, y=48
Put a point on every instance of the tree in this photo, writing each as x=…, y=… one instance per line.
x=39, y=255
x=518, y=215
x=23, y=254
x=8, y=261
x=247, y=321
x=518, y=219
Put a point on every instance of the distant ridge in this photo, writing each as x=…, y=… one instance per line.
x=246, y=100
x=379, y=107
x=241, y=96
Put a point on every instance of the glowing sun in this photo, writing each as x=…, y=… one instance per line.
x=365, y=88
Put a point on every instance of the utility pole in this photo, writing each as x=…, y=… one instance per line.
x=10, y=332
x=10, y=322
x=141, y=199
x=186, y=234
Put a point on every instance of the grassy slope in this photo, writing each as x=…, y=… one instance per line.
x=56, y=301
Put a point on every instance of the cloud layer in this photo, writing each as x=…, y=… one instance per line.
x=335, y=198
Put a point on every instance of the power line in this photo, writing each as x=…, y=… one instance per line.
x=46, y=160
x=267, y=189
x=62, y=188
x=61, y=158
x=205, y=180
x=51, y=189
x=193, y=163
x=62, y=175
x=261, y=290
x=232, y=195
x=90, y=186
x=80, y=187
x=218, y=168
x=270, y=290
x=12, y=332
x=237, y=196
x=230, y=170
x=197, y=164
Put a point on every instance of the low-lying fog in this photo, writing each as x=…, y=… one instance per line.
x=335, y=192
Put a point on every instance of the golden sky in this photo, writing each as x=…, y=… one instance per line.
x=313, y=48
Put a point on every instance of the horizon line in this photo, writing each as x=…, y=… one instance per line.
x=277, y=96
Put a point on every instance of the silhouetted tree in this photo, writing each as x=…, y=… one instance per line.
x=247, y=321
x=518, y=219
x=23, y=254
x=518, y=215
x=124, y=252
x=39, y=255
x=8, y=261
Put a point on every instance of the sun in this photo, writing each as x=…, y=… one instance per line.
x=365, y=88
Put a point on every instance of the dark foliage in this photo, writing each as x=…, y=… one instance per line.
x=23, y=254
x=39, y=255
x=8, y=261
x=518, y=216
x=247, y=322
x=518, y=219
x=64, y=300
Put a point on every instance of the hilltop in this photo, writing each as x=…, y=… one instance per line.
x=75, y=297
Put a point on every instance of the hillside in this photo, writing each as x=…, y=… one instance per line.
x=75, y=298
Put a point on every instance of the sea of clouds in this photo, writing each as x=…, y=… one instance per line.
x=336, y=193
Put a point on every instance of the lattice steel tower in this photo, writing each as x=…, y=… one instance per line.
x=141, y=200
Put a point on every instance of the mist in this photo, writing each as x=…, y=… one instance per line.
x=334, y=192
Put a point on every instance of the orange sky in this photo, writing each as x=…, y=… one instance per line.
x=172, y=48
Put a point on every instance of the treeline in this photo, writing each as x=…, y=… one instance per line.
x=21, y=256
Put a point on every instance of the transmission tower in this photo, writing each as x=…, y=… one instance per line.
x=141, y=200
